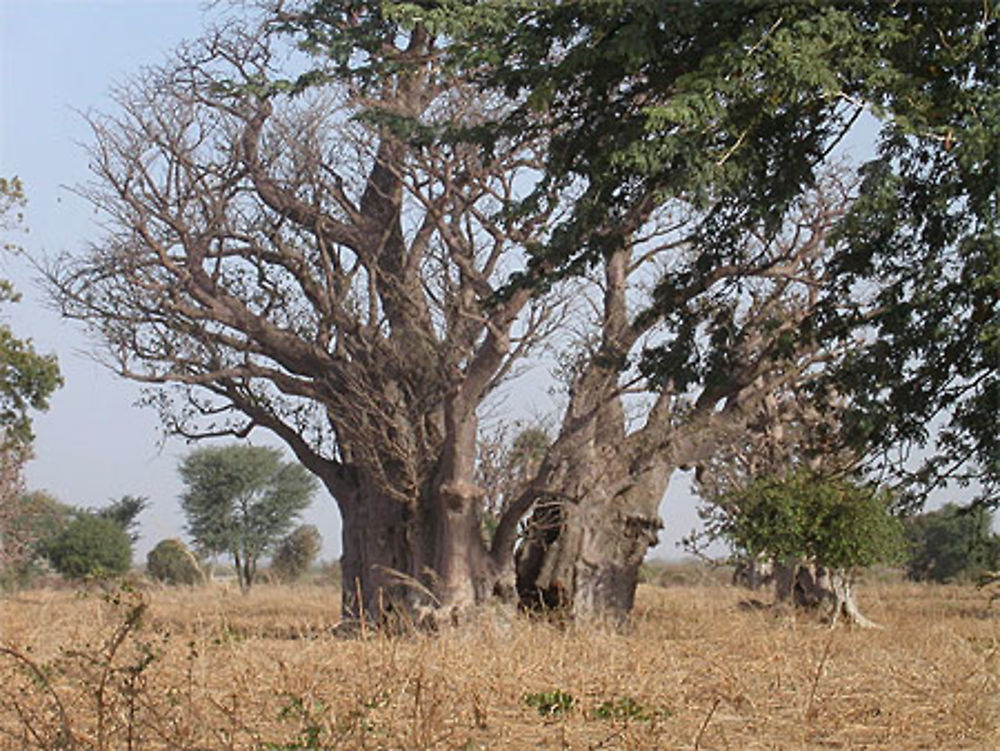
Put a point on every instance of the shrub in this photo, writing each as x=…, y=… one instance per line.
x=90, y=545
x=296, y=553
x=172, y=562
x=828, y=520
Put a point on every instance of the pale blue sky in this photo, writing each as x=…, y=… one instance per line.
x=58, y=59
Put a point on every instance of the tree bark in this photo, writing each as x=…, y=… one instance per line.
x=411, y=560
x=815, y=587
x=754, y=573
x=581, y=557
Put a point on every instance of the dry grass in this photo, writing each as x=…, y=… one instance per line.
x=209, y=669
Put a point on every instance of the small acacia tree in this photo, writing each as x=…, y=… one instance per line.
x=820, y=529
x=240, y=500
x=296, y=553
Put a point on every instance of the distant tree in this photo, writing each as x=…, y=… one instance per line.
x=90, y=545
x=820, y=529
x=508, y=458
x=124, y=512
x=32, y=520
x=241, y=500
x=172, y=562
x=297, y=553
x=951, y=544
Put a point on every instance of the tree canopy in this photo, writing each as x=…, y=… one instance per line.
x=833, y=522
x=951, y=544
x=737, y=104
x=125, y=513
x=90, y=545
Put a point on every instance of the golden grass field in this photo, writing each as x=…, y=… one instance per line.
x=210, y=669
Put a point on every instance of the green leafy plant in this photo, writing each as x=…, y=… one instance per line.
x=626, y=709
x=551, y=703
x=832, y=521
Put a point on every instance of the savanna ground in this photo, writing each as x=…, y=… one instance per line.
x=210, y=669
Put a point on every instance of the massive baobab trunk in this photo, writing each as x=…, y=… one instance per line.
x=581, y=556
x=293, y=264
x=400, y=559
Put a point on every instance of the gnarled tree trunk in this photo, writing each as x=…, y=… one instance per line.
x=583, y=558
x=583, y=549
x=399, y=562
x=753, y=573
x=816, y=587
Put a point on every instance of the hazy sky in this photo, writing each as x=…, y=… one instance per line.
x=58, y=60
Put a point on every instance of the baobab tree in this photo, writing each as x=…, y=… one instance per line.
x=669, y=384
x=280, y=262
x=322, y=257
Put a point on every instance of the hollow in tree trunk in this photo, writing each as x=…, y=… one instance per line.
x=581, y=558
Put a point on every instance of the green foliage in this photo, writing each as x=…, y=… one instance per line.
x=724, y=105
x=27, y=379
x=172, y=562
x=297, y=553
x=551, y=703
x=951, y=544
x=242, y=500
x=924, y=235
x=90, y=546
x=627, y=709
x=12, y=200
x=731, y=107
x=124, y=512
x=832, y=521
